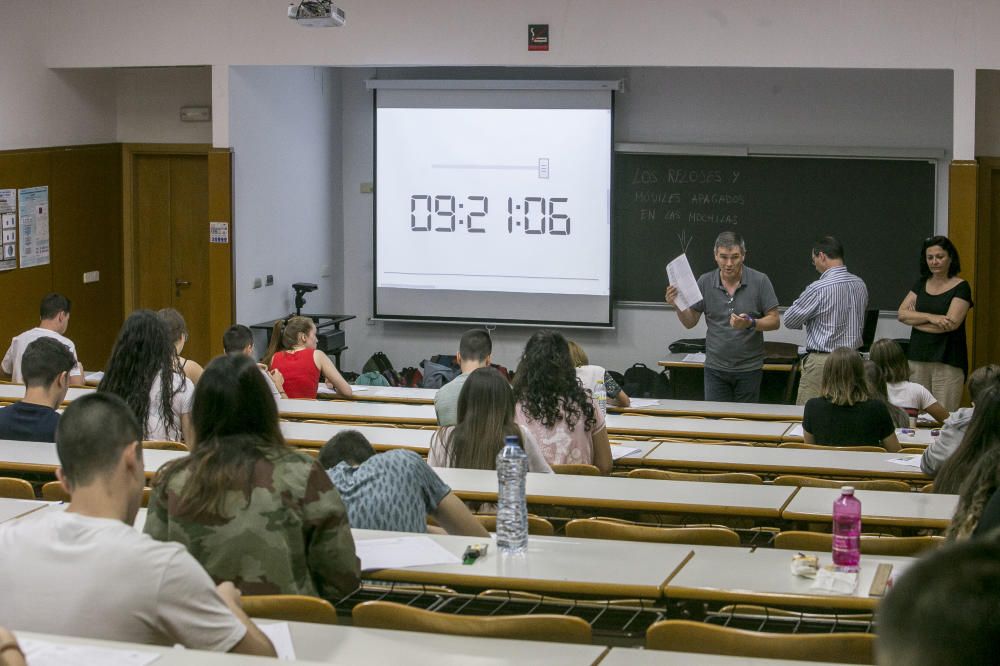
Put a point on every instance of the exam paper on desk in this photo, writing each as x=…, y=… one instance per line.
x=401, y=552
x=281, y=638
x=619, y=451
x=44, y=653
x=907, y=461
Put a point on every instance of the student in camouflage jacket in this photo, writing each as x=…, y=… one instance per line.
x=248, y=507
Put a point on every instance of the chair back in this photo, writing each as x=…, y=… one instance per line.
x=579, y=470
x=688, y=636
x=871, y=544
x=715, y=477
x=537, y=526
x=592, y=528
x=16, y=488
x=290, y=607
x=53, y=491
x=390, y=615
x=857, y=484
x=824, y=447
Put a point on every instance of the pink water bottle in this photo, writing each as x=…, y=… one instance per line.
x=847, y=530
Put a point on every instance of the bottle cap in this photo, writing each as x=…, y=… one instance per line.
x=847, y=490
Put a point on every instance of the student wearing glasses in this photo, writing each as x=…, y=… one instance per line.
x=739, y=304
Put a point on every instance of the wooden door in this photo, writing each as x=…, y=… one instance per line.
x=987, y=310
x=170, y=195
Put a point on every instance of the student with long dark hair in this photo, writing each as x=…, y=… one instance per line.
x=143, y=372
x=293, y=353
x=936, y=307
x=551, y=404
x=982, y=437
x=877, y=389
x=485, y=417
x=246, y=505
x=845, y=413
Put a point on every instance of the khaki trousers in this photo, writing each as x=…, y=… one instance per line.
x=811, y=378
x=944, y=381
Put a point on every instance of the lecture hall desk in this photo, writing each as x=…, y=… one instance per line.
x=878, y=507
x=618, y=493
x=771, y=461
x=41, y=457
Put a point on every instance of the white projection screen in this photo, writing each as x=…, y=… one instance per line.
x=493, y=206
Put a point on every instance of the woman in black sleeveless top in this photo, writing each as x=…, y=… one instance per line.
x=936, y=307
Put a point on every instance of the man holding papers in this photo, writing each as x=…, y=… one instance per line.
x=739, y=304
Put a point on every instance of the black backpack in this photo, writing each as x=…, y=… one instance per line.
x=643, y=382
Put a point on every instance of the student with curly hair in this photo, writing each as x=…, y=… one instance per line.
x=561, y=416
x=143, y=372
x=247, y=506
x=485, y=418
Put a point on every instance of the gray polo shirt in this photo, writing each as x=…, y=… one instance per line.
x=727, y=348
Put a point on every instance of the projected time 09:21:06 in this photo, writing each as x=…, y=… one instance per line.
x=533, y=215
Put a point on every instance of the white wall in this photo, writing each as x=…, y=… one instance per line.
x=41, y=106
x=149, y=103
x=284, y=128
x=835, y=108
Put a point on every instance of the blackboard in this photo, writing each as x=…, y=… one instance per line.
x=880, y=209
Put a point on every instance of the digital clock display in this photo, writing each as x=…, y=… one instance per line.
x=509, y=201
x=535, y=216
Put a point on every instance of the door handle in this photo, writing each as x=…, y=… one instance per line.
x=181, y=283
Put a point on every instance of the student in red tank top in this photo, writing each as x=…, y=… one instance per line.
x=293, y=353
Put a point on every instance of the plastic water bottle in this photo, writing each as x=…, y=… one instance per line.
x=847, y=530
x=601, y=396
x=512, y=508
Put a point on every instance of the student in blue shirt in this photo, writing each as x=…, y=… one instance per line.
x=45, y=366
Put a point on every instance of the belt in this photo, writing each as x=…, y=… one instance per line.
x=816, y=351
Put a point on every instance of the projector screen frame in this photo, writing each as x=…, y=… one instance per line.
x=611, y=87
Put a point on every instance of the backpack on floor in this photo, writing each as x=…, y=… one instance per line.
x=380, y=363
x=411, y=377
x=437, y=375
x=371, y=379
x=643, y=382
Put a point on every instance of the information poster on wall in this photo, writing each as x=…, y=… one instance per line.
x=33, y=204
x=8, y=227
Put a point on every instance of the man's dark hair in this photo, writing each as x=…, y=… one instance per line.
x=236, y=338
x=92, y=433
x=944, y=609
x=475, y=345
x=43, y=360
x=348, y=446
x=981, y=379
x=52, y=305
x=830, y=246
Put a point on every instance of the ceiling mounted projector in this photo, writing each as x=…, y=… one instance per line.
x=316, y=14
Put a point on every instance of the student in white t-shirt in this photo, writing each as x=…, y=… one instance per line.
x=238, y=339
x=143, y=372
x=911, y=397
x=54, y=320
x=85, y=571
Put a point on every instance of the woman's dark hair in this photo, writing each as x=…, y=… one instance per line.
x=545, y=384
x=174, y=321
x=876, y=387
x=285, y=335
x=889, y=357
x=143, y=352
x=485, y=417
x=954, y=268
x=235, y=425
x=982, y=436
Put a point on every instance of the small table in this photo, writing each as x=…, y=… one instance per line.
x=686, y=375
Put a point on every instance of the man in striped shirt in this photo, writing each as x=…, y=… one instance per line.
x=832, y=310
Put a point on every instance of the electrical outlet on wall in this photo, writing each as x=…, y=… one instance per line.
x=257, y=283
x=269, y=281
x=91, y=276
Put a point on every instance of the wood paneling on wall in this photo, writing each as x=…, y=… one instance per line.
x=85, y=227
